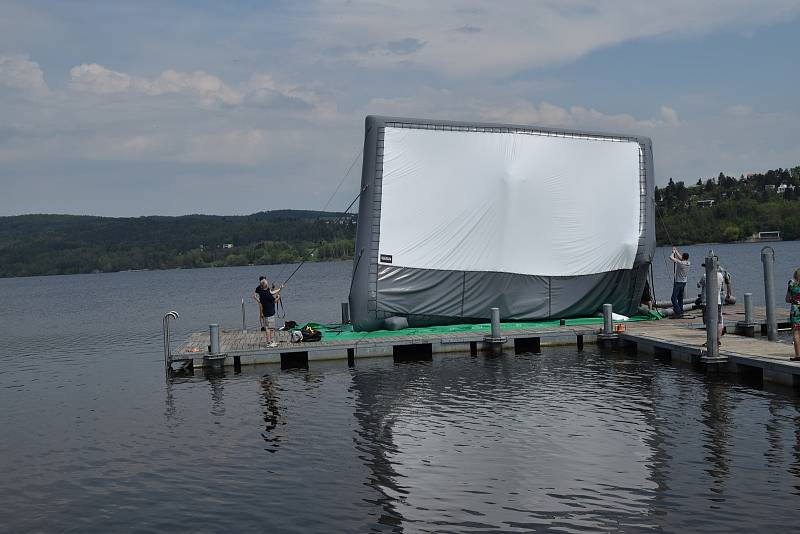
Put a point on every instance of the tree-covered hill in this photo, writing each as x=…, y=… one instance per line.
x=728, y=209
x=67, y=244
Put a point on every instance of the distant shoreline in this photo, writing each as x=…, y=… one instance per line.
x=265, y=265
x=41, y=245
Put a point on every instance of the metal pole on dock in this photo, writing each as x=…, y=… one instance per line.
x=608, y=319
x=494, y=340
x=495, y=322
x=712, y=300
x=213, y=334
x=244, y=318
x=748, y=308
x=345, y=313
x=768, y=261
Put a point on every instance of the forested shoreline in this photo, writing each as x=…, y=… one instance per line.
x=727, y=209
x=32, y=245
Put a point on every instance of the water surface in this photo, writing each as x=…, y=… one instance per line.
x=95, y=439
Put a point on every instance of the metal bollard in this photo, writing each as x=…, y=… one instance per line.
x=345, y=313
x=494, y=340
x=495, y=322
x=608, y=319
x=768, y=261
x=748, y=308
x=213, y=332
x=712, y=299
x=244, y=318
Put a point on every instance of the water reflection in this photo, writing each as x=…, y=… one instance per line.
x=795, y=466
x=273, y=415
x=216, y=384
x=552, y=440
x=377, y=401
x=716, y=416
x=774, y=429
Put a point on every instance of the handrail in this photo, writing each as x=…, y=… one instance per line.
x=167, y=338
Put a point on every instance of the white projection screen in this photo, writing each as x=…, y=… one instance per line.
x=509, y=202
x=456, y=218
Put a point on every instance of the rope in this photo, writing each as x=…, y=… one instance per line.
x=669, y=237
x=663, y=223
x=344, y=214
x=346, y=174
x=653, y=287
x=325, y=207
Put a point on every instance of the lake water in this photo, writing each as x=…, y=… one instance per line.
x=94, y=439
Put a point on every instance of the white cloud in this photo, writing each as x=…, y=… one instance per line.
x=495, y=38
x=98, y=79
x=261, y=90
x=207, y=86
x=19, y=72
x=444, y=104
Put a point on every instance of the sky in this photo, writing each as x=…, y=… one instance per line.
x=171, y=108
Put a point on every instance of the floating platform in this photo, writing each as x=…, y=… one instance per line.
x=667, y=339
x=683, y=340
x=247, y=348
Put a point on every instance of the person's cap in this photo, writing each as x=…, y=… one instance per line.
x=260, y=278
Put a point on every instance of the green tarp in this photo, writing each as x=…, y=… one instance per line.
x=340, y=332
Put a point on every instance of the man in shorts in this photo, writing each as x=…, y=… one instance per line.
x=266, y=297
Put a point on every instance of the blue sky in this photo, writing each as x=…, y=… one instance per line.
x=236, y=107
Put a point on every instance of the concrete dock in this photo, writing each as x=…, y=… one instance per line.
x=667, y=339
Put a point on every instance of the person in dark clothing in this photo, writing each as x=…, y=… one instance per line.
x=266, y=297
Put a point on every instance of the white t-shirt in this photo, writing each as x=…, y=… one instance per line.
x=720, y=287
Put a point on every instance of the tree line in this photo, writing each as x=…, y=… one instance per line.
x=32, y=245
x=728, y=209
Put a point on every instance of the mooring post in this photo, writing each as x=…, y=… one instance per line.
x=607, y=338
x=495, y=323
x=494, y=339
x=746, y=327
x=768, y=261
x=748, y=308
x=244, y=318
x=608, y=319
x=345, y=312
x=712, y=299
x=213, y=334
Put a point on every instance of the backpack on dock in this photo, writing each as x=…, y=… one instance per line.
x=306, y=334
